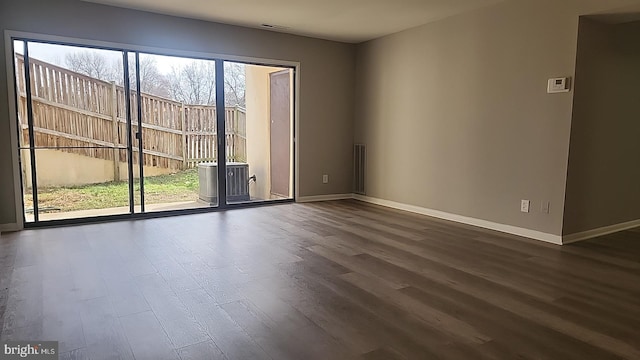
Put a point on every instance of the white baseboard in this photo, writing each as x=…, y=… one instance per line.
x=305, y=199
x=528, y=233
x=9, y=227
x=589, y=234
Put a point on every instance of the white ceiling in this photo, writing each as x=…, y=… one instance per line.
x=342, y=20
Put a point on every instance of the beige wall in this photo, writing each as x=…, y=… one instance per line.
x=58, y=168
x=326, y=76
x=257, y=98
x=456, y=117
x=603, y=182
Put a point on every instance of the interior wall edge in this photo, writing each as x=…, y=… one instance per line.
x=13, y=141
x=605, y=230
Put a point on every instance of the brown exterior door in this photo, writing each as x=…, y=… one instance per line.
x=280, y=116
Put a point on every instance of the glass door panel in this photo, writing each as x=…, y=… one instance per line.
x=74, y=141
x=177, y=104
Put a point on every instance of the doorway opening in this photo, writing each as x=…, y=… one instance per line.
x=265, y=101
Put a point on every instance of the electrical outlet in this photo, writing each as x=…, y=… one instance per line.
x=524, y=206
x=544, y=208
x=325, y=179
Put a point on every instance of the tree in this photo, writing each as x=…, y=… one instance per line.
x=151, y=80
x=234, y=84
x=99, y=66
x=92, y=64
x=194, y=83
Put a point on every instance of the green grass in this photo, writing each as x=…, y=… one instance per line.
x=182, y=186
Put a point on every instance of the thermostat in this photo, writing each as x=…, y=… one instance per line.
x=558, y=85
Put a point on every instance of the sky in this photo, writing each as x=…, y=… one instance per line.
x=55, y=54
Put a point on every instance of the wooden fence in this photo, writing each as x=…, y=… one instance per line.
x=87, y=116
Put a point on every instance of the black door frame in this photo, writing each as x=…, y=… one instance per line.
x=220, y=146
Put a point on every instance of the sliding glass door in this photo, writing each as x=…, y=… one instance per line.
x=106, y=132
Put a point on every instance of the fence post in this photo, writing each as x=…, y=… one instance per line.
x=236, y=119
x=183, y=118
x=116, y=128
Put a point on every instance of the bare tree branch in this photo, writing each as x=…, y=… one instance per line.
x=92, y=64
x=194, y=83
x=234, y=84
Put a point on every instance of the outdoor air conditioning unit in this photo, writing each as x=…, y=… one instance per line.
x=237, y=182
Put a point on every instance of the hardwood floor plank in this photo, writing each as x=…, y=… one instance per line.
x=76, y=354
x=604, y=341
x=331, y=302
x=289, y=320
x=230, y=338
x=202, y=351
x=25, y=302
x=473, y=310
x=277, y=343
x=61, y=319
x=518, y=336
x=383, y=354
x=351, y=262
x=127, y=298
x=403, y=332
x=104, y=335
x=177, y=321
x=437, y=319
x=147, y=338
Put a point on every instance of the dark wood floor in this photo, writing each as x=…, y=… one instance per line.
x=334, y=280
